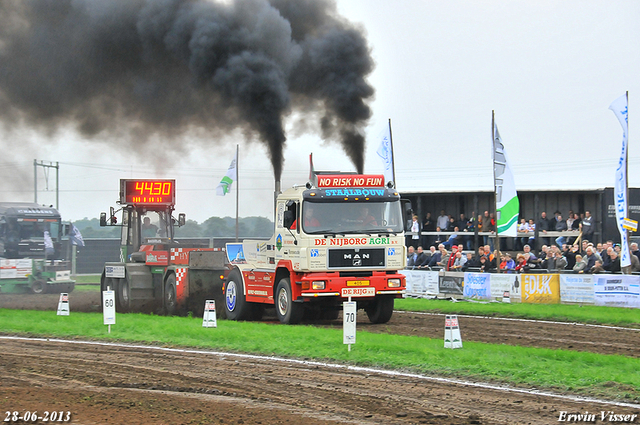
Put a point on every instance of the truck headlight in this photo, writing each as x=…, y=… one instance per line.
x=394, y=283
x=317, y=284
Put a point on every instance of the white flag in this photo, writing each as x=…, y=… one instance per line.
x=386, y=153
x=232, y=174
x=507, y=203
x=620, y=108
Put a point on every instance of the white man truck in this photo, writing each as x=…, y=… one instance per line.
x=340, y=236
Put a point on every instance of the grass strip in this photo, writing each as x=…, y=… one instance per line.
x=629, y=317
x=609, y=376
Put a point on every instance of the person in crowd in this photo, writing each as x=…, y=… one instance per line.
x=421, y=258
x=544, y=250
x=560, y=226
x=488, y=225
x=428, y=257
x=443, y=221
x=429, y=225
x=412, y=255
x=415, y=229
x=453, y=238
x=527, y=250
x=587, y=225
x=472, y=262
x=614, y=263
x=486, y=265
x=445, y=255
x=583, y=247
x=436, y=257
x=459, y=262
x=590, y=259
x=599, y=248
x=452, y=258
x=575, y=227
x=580, y=264
x=597, y=268
x=634, y=250
x=543, y=226
x=635, y=263
x=523, y=227
x=569, y=252
x=555, y=260
x=521, y=263
x=606, y=256
x=506, y=262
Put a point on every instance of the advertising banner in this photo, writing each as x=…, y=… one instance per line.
x=540, y=288
x=421, y=283
x=617, y=290
x=576, y=288
x=501, y=283
x=477, y=286
x=452, y=283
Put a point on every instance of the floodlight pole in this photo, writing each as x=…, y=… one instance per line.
x=35, y=180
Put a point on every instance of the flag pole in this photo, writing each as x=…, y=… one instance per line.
x=237, y=187
x=627, y=269
x=393, y=161
x=495, y=195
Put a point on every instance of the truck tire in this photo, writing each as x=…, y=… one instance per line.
x=38, y=287
x=123, y=295
x=381, y=309
x=288, y=312
x=170, y=301
x=235, y=304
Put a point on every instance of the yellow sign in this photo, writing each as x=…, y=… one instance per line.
x=629, y=224
x=540, y=288
x=357, y=283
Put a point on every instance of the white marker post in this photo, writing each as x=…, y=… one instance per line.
x=109, y=307
x=209, y=318
x=452, y=338
x=63, y=305
x=349, y=310
x=506, y=297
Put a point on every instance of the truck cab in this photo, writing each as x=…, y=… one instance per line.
x=338, y=237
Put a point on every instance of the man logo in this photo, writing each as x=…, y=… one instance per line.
x=357, y=262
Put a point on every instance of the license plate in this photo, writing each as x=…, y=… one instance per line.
x=367, y=291
x=357, y=283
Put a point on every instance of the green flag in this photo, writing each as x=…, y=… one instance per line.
x=232, y=174
x=507, y=204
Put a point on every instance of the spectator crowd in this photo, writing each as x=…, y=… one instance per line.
x=460, y=230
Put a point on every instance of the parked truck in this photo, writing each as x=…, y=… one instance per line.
x=338, y=236
x=31, y=254
x=155, y=272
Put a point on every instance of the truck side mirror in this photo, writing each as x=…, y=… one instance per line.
x=103, y=219
x=288, y=219
x=182, y=219
x=408, y=212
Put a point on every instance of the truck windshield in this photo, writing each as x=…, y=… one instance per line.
x=34, y=230
x=352, y=217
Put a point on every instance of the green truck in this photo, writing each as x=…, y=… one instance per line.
x=31, y=258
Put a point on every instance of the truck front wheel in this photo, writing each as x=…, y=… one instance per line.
x=39, y=287
x=170, y=302
x=123, y=295
x=288, y=312
x=235, y=304
x=381, y=309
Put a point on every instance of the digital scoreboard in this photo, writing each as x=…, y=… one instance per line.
x=147, y=192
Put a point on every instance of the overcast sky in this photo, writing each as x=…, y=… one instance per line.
x=548, y=69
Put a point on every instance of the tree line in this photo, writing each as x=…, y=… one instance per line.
x=211, y=227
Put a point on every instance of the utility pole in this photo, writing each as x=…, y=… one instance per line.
x=35, y=179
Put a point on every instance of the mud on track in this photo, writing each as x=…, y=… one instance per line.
x=116, y=385
x=102, y=384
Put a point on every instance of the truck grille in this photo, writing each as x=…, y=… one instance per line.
x=356, y=257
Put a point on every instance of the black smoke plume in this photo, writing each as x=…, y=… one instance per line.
x=133, y=68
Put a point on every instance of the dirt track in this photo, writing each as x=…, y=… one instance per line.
x=104, y=384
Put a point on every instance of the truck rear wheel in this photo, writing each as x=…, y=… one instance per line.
x=170, y=302
x=38, y=287
x=288, y=312
x=381, y=309
x=235, y=304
